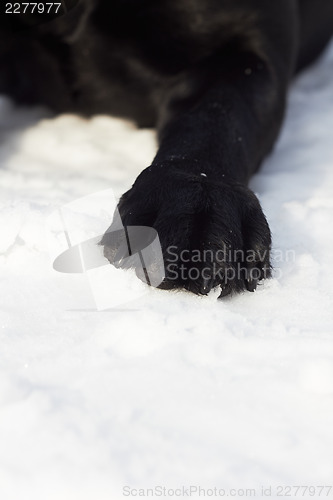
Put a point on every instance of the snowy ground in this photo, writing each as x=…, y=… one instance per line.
x=168, y=389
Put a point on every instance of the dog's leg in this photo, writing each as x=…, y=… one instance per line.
x=215, y=132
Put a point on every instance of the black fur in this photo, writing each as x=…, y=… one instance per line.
x=212, y=77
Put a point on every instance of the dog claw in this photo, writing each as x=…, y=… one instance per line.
x=225, y=290
x=251, y=285
x=206, y=286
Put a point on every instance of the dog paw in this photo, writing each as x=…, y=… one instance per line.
x=212, y=234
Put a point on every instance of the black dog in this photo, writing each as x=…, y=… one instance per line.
x=212, y=76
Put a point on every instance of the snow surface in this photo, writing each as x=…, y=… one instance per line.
x=167, y=389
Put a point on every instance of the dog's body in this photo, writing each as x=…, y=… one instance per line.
x=212, y=77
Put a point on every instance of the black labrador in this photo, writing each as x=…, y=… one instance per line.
x=211, y=76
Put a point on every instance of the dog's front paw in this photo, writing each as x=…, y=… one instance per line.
x=211, y=233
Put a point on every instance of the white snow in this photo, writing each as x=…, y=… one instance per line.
x=166, y=389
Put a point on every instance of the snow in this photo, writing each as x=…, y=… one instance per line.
x=163, y=388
